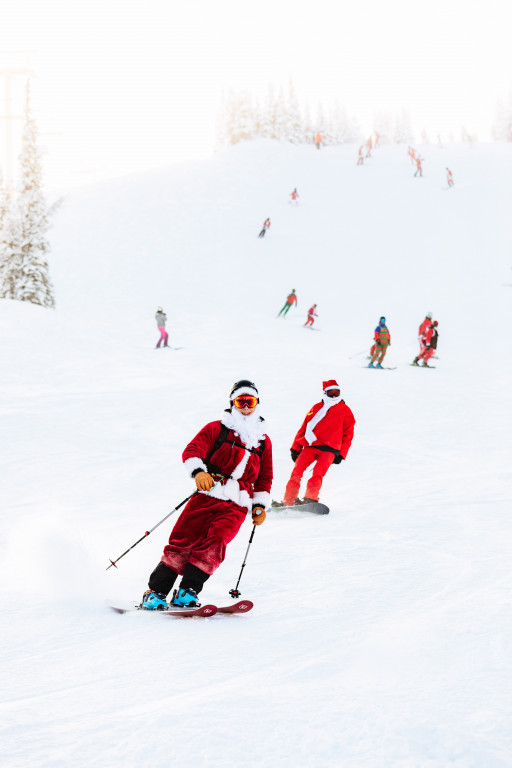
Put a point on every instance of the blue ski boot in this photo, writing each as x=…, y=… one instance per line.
x=378, y=365
x=370, y=365
x=185, y=598
x=152, y=601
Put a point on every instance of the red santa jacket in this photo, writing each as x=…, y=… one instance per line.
x=249, y=474
x=327, y=425
x=423, y=327
x=291, y=299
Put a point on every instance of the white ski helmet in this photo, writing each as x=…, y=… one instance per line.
x=429, y=315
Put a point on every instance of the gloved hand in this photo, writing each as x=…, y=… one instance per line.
x=427, y=346
x=294, y=455
x=204, y=481
x=338, y=459
x=378, y=344
x=258, y=515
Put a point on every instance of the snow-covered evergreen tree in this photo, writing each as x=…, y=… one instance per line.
x=502, y=125
x=402, y=133
x=382, y=124
x=294, y=129
x=268, y=115
x=23, y=246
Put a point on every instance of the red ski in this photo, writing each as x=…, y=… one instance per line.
x=205, y=611
x=241, y=607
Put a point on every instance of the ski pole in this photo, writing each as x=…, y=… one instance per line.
x=357, y=354
x=234, y=592
x=113, y=562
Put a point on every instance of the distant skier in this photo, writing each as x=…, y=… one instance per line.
x=290, y=300
x=360, y=158
x=382, y=339
x=412, y=154
x=294, y=197
x=422, y=329
x=230, y=462
x=318, y=140
x=429, y=345
x=161, y=318
x=266, y=225
x=323, y=439
x=449, y=178
x=419, y=167
x=311, y=316
x=369, y=147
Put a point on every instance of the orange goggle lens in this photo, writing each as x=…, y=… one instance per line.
x=246, y=400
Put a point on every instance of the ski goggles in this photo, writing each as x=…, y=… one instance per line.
x=333, y=393
x=245, y=400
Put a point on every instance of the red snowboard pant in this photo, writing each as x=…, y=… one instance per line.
x=202, y=532
x=310, y=320
x=306, y=457
x=426, y=354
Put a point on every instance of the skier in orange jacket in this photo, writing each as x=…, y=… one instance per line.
x=290, y=300
x=419, y=167
x=449, y=178
x=318, y=140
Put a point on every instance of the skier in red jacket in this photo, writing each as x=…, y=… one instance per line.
x=324, y=438
x=266, y=225
x=429, y=345
x=311, y=316
x=231, y=463
x=449, y=178
x=422, y=330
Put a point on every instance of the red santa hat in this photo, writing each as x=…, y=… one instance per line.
x=331, y=384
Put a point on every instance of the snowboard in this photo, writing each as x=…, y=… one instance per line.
x=314, y=507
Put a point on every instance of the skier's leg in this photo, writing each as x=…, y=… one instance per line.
x=224, y=521
x=315, y=481
x=306, y=457
x=162, y=579
x=162, y=331
x=193, y=578
x=286, y=308
x=166, y=338
x=188, y=530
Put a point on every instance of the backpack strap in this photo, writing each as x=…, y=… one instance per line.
x=223, y=438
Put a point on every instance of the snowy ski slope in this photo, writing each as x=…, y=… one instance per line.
x=381, y=635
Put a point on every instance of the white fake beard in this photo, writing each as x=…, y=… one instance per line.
x=331, y=400
x=249, y=428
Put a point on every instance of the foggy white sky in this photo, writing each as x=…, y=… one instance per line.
x=124, y=85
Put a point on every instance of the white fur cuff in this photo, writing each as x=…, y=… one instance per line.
x=261, y=497
x=194, y=463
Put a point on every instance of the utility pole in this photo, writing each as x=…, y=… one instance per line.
x=8, y=117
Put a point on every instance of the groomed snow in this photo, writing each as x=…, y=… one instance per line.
x=381, y=635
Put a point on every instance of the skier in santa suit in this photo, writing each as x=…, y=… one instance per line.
x=324, y=438
x=311, y=316
x=294, y=196
x=422, y=330
x=449, y=178
x=231, y=463
x=429, y=345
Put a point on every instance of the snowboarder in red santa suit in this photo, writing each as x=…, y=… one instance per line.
x=429, y=345
x=423, y=329
x=324, y=438
x=231, y=463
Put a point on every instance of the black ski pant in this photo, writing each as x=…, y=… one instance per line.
x=162, y=579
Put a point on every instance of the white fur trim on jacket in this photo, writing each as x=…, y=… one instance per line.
x=262, y=498
x=194, y=463
x=319, y=415
x=230, y=491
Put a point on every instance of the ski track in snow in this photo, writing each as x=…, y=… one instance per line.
x=381, y=634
